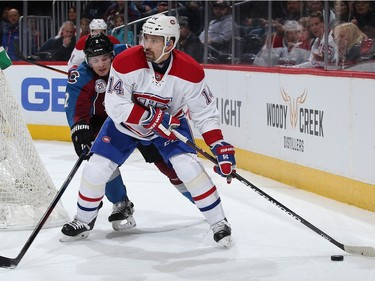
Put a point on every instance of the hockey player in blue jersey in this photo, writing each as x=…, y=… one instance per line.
x=84, y=106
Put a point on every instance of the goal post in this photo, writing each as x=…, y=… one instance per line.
x=26, y=189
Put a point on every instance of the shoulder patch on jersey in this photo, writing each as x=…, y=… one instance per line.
x=73, y=76
x=100, y=86
x=130, y=60
x=81, y=75
x=186, y=68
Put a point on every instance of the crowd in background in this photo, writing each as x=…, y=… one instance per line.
x=296, y=36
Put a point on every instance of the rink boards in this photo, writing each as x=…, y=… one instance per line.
x=307, y=128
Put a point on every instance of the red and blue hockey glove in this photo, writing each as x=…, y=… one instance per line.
x=226, y=163
x=161, y=123
x=82, y=136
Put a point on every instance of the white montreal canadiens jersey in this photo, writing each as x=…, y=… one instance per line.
x=76, y=57
x=133, y=87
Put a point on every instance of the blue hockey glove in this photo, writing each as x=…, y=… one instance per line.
x=161, y=123
x=226, y=163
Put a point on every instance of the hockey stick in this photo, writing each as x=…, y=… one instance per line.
x=22, y=58
x=355, y=250
x=12, y=263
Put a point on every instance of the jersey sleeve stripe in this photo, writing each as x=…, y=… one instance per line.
x=136, y=114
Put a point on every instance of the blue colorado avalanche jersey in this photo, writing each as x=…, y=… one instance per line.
x=85, y=90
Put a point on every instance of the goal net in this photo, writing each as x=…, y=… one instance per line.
x=26, y=189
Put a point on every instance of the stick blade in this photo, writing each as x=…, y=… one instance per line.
x=359, y=250
x=8, y=263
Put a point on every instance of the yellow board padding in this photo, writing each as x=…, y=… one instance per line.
x=48, y=132
x=329, y=185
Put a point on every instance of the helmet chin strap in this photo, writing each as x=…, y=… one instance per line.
x=162, y=54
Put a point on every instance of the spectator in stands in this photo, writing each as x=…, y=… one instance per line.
x=342, y=12
x=306, y=37
x=316, y=58
x=96, y=9
x=255, y=22
x=84, y=27
x=220, y=29
x=72, y=14
x=294, y=10
x=4, y=23
x=289, y=53
x=292, y=33
x=119, y=33
x=364, y=17
x=11, y=35
x=194, y=11
x=63, y=46
x=46, y=49
x=48, y=45
x=144, y=7
x=118, y=8
x=34, y=34
x=318, y=6
x=189, y=43
x=4, y=14
x=353, y=45
x=160, y=7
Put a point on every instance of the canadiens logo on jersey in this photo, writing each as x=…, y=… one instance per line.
x=147, y=100
x=100, y=86
x=158, y=77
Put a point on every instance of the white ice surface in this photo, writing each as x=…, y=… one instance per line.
x=172, y=242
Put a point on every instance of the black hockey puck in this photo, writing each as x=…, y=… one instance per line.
x=337, y=258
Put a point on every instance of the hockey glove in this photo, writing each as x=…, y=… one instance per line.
x=82, y=136
x=226, y=163
x=161, y=123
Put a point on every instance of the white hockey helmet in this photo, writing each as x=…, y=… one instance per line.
x=162, y=25
x=98, y=24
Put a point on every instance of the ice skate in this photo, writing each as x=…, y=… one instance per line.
x=222, y=233
x=122, y=215
x=77, y=230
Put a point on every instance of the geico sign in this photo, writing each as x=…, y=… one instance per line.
x=39, y=94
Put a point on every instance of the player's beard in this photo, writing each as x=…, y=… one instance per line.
x=150, y=56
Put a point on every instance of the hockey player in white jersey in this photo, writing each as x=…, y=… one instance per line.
x=148, y=89
x=78, y=56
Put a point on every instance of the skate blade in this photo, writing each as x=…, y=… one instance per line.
x=65, y=238
x=120, y=225
x=226, y=242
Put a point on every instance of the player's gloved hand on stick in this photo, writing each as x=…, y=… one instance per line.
x=161, y=123
x=81, y=136
x=226, y=163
